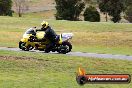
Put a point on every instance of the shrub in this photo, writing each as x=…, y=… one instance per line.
x=91, y=14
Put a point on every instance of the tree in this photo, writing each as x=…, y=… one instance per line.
x=128, y=13
x=21, y=6
x=93, y=2
x=91, y=14
x=128, y=2
x=5, y=7
x=69, y=9
x=88, y=2
x=113, y=8
x=116, y=7
x=103, y=6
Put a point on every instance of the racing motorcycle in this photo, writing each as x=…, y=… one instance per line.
x=35, y=40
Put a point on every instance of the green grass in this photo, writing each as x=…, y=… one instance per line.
x=88, y=36
x=38, y=70
x=104, y=50
x=16, y=23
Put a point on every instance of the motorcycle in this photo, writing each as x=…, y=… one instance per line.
x=35, y=40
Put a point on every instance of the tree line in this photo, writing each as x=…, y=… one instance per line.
x=72, y=9
x=112, y=8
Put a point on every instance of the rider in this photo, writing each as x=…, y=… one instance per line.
x=49, y=34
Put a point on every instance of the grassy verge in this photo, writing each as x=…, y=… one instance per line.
x=104, y=50
x=88, y=37
x=38, y=70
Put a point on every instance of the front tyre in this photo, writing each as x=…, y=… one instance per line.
x=22, y=45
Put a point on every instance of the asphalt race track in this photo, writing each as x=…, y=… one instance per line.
x=81, y=54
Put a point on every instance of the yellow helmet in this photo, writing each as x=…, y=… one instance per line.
x=45, y=24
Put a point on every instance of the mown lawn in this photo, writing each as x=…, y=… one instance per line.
x=88, y=36
x=39, y=70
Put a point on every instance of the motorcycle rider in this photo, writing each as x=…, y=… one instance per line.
x=49, y=34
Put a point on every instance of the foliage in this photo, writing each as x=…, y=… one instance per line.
x=129, y=14
x=91, y=2
x=103, y=6
x=91, y=14
x=128, y=2
x=69, y=9
x=115, y=13
x=5, y=7
x=113, y=8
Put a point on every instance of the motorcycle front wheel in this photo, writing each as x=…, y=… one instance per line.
x=23, y=47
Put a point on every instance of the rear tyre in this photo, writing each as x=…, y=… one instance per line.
x=65, y=47
x=68, y=46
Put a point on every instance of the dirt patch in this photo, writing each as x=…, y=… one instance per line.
x=17, y=58
x=30, y=59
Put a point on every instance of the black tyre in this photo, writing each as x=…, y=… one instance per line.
x=22, y=45
x=68, y=45
x=65, y=47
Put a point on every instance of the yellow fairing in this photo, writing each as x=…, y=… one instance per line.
x=60, y=39
x=40, y=35
x=24, y=40
x=25, y=37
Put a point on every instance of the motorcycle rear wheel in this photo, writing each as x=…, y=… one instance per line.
x=65, y=47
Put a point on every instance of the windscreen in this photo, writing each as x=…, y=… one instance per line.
x=30, y=31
